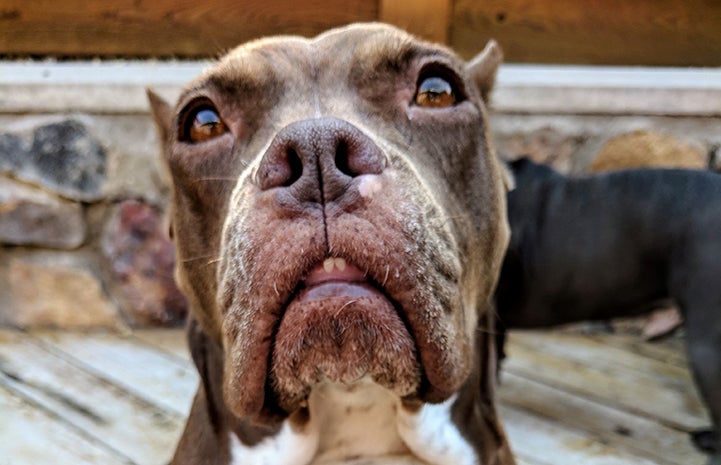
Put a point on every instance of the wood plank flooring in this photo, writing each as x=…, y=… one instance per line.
x=566, y=399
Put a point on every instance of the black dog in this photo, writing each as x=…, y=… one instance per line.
x=619, y=244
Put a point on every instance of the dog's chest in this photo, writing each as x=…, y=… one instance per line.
x=354, y=421
x=363, y=424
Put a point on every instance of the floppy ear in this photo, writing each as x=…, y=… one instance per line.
x=483, y=68
x=162, y=114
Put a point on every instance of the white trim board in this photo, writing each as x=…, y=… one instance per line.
x=118, y=87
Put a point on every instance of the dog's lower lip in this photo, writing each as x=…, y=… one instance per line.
x=334, y=277
x=331, y=289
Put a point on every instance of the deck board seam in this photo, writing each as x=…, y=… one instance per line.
x=6, y=385
x=102, y=378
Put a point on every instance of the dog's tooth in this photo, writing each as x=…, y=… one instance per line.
x=328, y=264
x=340, y=263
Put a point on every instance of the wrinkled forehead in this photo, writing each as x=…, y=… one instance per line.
x=353, y=50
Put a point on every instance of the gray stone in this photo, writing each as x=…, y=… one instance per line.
x=30, y=216
x=141, y=259
x=56, y=290
x=62, y=157
x=134, y=157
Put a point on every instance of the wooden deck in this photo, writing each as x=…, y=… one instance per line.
x=69, y=398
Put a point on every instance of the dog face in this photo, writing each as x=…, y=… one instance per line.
x=338, y=213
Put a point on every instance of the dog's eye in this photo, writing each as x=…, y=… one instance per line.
x=201, y=124
x=435, y=92
x=206, y=125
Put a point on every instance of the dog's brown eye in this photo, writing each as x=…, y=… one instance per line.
x=206, y=125
x=435, y=92
x=201, y=124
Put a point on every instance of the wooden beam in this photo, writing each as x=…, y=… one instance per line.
x=428, y=19
x=163, y=27
x=620, y=32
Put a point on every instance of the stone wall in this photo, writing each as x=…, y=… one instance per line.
x=578, y=144
x=82, y=227
x=81, y=223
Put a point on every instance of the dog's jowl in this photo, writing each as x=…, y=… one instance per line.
x=339, y=218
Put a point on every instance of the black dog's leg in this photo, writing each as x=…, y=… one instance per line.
x=703, y=329
x=705, y=359
x=705, y=440
x=694, y=282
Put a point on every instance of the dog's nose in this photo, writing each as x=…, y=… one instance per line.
x=318, y=159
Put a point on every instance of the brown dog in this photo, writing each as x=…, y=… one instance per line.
x=339, y=220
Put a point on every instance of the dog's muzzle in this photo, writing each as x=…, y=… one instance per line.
x=342, y=277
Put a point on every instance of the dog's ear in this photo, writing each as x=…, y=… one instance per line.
x=483, y=68
x=509, y=180
x=162, y=114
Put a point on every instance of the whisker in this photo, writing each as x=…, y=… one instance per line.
x=218, y=178
x=203, y=257
x=350, y=302
x=200, y=257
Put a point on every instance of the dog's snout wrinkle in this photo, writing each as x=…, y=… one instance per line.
x=317, y=159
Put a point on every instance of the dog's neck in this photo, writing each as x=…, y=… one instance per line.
x=364, y=423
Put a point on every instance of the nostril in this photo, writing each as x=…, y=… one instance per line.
x=357, y=156
x=280, y=168
x=341, y=159
x=296, y=167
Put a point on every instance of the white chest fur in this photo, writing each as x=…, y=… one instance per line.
x=362, y=424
